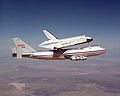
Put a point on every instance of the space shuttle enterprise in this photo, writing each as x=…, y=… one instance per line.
x=54, y=43
x=56, y=48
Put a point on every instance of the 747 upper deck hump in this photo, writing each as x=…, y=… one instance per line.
x=57, y=50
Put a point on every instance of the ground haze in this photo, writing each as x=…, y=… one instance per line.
x=28, y=77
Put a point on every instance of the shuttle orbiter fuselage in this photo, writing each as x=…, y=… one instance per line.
x=54, y=43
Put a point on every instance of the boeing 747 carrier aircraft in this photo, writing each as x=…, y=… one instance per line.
x=23, y=50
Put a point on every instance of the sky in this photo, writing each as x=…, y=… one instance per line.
x=26, y=19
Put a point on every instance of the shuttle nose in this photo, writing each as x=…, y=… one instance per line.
x=89, y=39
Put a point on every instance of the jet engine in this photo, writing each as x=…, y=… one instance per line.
x=14, y=52
x=75, y=58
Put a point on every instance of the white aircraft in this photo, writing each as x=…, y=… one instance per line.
x=24, y=50
x=55, y=43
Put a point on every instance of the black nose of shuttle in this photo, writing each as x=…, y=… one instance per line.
x=89, y=40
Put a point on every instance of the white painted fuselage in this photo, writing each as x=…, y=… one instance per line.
x=73, y=54
x=54, y=43
x=61, y=43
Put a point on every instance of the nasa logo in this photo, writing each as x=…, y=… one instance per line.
x=21, y=45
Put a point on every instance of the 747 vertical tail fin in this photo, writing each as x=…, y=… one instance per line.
x=21, y=47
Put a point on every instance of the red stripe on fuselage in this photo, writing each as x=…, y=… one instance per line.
x=47, y=57
x=89, y=53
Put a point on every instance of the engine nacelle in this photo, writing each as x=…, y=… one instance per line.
x=78, y=58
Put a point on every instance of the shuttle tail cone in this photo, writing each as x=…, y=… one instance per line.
x=89, y=40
